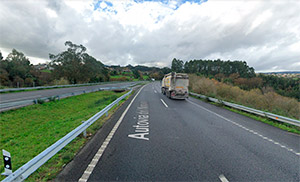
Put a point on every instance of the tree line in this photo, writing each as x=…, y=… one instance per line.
x=213, y=67
x=74, y=66
x=238, y=73
x=71, y=66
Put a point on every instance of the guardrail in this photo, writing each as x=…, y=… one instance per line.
x=251, y=110
x=55, y=86
x=9, y=105
x=27, y=169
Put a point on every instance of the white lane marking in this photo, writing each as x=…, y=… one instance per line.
x=155, y=91
x=223, y=178
x=35, y=96
x=164, y=102
x=251, y=131
x=88, y=171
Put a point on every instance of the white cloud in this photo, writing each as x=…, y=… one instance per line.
x=51, y=13
x=263, y=33
x=259, y=20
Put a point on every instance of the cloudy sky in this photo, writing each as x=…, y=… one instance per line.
x=265, y=34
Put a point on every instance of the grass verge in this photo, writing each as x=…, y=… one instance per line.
x=283, y=126
x=28, y=131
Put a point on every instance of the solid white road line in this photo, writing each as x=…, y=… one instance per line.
x=251, y=131
x=163, y=102
x=223, y=178
x=85, y=176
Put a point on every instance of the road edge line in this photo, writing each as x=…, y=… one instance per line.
x=246, y=129
x=164, y=102
x=88, y=171
x=223, y=178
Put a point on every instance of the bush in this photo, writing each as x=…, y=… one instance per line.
x=28, y=82
x=266, y=99
x=61, y=81
x=53, y=98
x=18, y=82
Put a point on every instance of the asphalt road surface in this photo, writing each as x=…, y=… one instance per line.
x=155, y=138
x=19, y=96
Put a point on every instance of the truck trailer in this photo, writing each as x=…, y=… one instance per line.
x=175, y=85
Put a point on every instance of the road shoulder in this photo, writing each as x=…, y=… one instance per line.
x=74, y=170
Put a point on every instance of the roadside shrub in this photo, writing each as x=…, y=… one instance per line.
x=18, y=82
x=40, y=101
x=61, y=81
x=53, y=98
x=265, y=99
x=28, y=82
x=202, y=85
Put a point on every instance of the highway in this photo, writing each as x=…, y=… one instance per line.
x=31, y=95
x=153, y=138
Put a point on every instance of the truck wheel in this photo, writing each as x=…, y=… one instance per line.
x=168, y=94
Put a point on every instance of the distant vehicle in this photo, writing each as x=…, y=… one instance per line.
x=175, y=85
x=152, y=79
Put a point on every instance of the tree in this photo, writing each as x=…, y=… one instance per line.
x=18, y=65
x=28, y=82
x=77, y=66
x=1, y=57
x=177, y=65
x=166, y=70
x=136, y=73
x=15, y=69
x=18, y=82
x=4, y=80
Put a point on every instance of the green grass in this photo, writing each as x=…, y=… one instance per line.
x=46, y=71
x=119, y=76
x=27, y=131
x=283, y=126
x=145, y=77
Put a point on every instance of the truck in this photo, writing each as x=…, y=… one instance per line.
x=175, y=85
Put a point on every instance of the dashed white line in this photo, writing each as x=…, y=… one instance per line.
x=164, y=102
x=223, y=178
x=88, y=171
x=155, y=91
x=251, y=131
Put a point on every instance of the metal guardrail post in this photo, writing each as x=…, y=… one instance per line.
x=84, y=132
